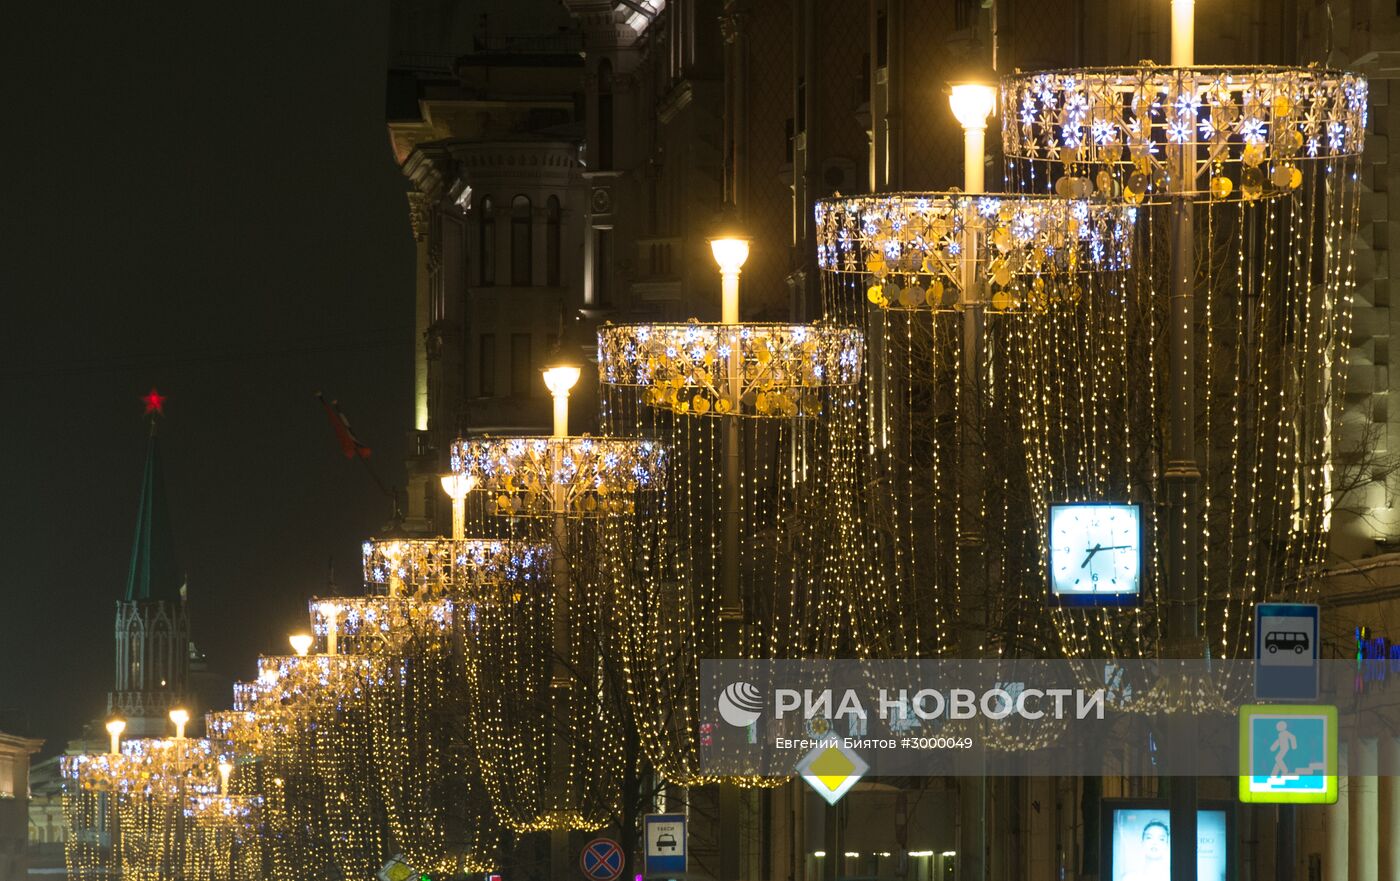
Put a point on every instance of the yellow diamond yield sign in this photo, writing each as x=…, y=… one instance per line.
x=832, y=770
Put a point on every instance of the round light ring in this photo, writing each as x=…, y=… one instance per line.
x=697, y=369
x=580, y=476
x=1246, y=132
x=919, y=251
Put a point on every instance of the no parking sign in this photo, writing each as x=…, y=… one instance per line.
x=601, y=860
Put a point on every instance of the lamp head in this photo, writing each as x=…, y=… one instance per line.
x=458, y=485
x=329, y=611
x=972, y=103
x=180, y=716
x=561, y=378
x=116, y=726
x=301, y=643
x=730, y=251
x=225, y=768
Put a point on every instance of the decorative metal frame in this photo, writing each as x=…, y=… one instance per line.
x=155, y=767
x=370, y=623
x=1244, y=130
x=293, y=688
x=759, y=370
x=442, y=565
x=925, y=250
x=579, y=476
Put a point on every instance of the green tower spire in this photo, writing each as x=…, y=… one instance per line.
x=153, y=574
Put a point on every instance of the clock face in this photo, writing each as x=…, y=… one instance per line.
x=1095, y=553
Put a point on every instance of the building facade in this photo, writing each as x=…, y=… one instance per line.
x=14, y=805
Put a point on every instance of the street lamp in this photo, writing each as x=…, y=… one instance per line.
x=972, y=103
x=457, y=486
x=1183, y=33
x=115, y=727
x=331, y=612
x=561, y=379
x=225, y=770
x=301, y=643
x=180, y=717
x=730, y=252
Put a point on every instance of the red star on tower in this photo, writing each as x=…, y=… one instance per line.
x=155, y=403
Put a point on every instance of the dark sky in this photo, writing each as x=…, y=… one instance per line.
x=198, y=197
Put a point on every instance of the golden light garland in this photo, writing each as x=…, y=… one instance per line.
x=764, y=370
x=1246, y=132
x=923, y=250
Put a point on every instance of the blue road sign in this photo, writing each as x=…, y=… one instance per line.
x=664, y=835
x=1288, y=754
x=601, y=860
x=1287, y=638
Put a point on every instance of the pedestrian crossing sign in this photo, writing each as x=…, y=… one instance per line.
x=1288, y=754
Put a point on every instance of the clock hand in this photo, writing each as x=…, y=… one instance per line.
x=1094, y=550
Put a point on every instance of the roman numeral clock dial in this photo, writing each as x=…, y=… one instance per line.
x=1095, y=553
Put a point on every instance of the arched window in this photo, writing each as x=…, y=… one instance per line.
x=135, y=650
x=551, y=241
x=605, y=115
x=486, y=224
x=521, y=231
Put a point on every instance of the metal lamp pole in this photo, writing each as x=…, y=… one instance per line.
x=972, y=104
x=1182, y=475
x=115, y=727
x=730, y=252
x=560, y=380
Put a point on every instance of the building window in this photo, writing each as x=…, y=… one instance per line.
x=486, y=365
x=521, y=252
x=552, y=242
x=486, y=224
x=522, y=379
x=602, y=262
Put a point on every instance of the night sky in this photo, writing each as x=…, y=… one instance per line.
x=201, y=198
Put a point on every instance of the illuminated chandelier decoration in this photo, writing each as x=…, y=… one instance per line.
x=764, y=415
x=757, y=370
x=925, y=273
x=1246, y=182
x=924, y=250
x=455, y=567
x=576, y=476
x=373, y=624
x=1247, y=132
x=548, y=747
x=224, y=833
x=146, y=790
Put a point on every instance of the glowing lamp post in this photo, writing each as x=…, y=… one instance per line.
x=301, y=643
x=331, y=613
x=560, y=380
x=1183, y=33
x=225, y=771
x=730, y=252
x=972, y=104
x=180, y=717
x=115, y=727
x=457, y=486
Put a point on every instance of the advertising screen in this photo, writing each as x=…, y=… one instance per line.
x=1140, y=844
